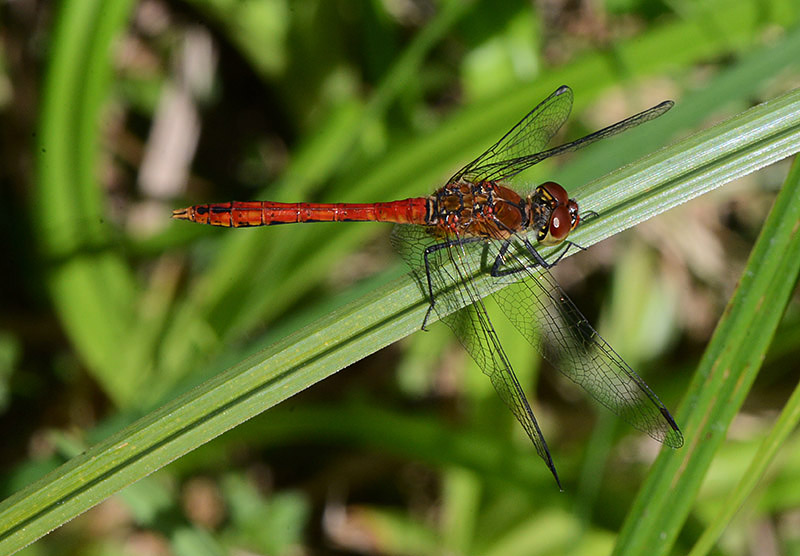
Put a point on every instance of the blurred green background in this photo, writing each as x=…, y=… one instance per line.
x=115, y=113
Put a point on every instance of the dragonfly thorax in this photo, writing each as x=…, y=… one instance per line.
x=485, y=209
x=552, y=214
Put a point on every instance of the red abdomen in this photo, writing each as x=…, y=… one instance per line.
x=237, y=214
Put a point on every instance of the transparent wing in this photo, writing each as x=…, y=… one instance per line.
x=550, y=321
x=522, y=147
x=461, y=308
x=531, y=135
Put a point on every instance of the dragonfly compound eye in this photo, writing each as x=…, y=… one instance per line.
x=555, y=192
x=559, y=226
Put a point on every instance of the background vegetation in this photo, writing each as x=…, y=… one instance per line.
x=143, y=340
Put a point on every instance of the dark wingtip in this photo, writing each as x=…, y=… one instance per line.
x=552, y=467
x=555, y=476
x=674, y=437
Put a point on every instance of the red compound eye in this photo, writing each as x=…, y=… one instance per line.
x=556, y=191
x=564, y=215
x=559, y=227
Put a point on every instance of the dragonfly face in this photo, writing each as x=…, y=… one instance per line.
x=553, y=214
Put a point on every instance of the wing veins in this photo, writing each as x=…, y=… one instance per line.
x=488, y=352
x=652, y=418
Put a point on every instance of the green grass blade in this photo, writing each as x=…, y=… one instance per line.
x=380, y=318
x=741, y=145
x=726, y=372
x=786, y=423
x=90, y=283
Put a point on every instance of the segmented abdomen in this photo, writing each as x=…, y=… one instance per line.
x=238, y=214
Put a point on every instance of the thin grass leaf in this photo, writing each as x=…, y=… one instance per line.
x=765, y=455
x=728, y=368
x=90, y=284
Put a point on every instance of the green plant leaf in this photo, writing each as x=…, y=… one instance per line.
x=765, y=454
x=652, y=185
x=726, y=372
x=89, y=282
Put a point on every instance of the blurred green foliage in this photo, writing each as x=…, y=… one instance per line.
x=114, y=113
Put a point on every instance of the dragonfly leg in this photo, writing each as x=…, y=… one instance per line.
x=564, y=252
x=499, y=261
x=433, y=249
x=538, y=259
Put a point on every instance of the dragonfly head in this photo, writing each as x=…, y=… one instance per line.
x=561, y=213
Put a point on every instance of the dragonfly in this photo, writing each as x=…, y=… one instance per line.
x=483, y=226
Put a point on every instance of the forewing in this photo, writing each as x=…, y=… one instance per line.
x=531, y=135
x=460, y=306
x=512, y=167
x=551, y=322
x=524, y=145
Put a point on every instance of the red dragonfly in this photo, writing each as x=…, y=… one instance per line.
x=478, y=216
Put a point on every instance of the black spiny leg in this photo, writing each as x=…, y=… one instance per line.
x=538, y=259
x=432, y=249
x=498, y=262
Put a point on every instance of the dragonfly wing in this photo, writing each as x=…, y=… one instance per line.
x=460, y=306
x=512, y=167
x=551, y=322
x=524, y=146
x=474, y=331
x=531, y=135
